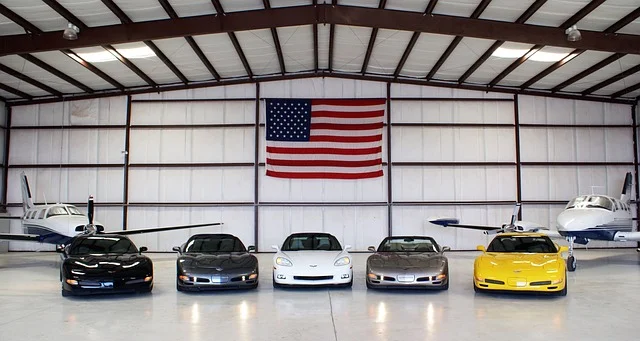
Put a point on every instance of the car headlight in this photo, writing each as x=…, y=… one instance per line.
x=283, y=261
x=342, y=261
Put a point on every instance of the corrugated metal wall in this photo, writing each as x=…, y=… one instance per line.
x=190, y=156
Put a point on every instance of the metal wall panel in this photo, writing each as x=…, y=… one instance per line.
x=488, y=112
x=99, y=111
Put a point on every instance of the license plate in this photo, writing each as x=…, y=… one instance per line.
x=521, y=284
x=107, y=284
x=406, y=278
x=216, y=279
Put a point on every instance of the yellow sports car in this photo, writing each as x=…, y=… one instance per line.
x=521, y=262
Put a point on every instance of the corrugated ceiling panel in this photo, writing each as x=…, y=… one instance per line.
x=221, y=54
x=142, y=10
x=151, y=66
x=360, y=3
x=570, y=69
x=21, y=85
x=182, y=56
x=8, y=95
x=467, y=52
x=68, y=66
x=605, y=73
x=289, y=3
x=240, y=5
x=607, y=14
x=349, y=47
x=556, y=12
x=407, y=5
x=532, y=67
x=8, y=27
x=425, y=53
x=505, y=10
x=38, y=13
x=192, y=8
x=323, y=46
x=387, y=51
x=259, y=48
x=31, y=70
x=634, y=94
x=461, y=8
x=494, y=65
x=114, y=69
x=619, y=85
x=297, y=47
x=632, y=28
x=91, y=12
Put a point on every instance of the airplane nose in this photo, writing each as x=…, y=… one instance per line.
x=577, y=219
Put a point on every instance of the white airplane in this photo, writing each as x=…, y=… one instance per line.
x=59, y=223
x=585, y=218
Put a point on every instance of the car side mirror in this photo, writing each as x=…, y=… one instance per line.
x=446, y=248
x=275, y=247
x=251, y=248
x=176, y=249
x=347, y=247
x=481, y=248
x=563, y=249
x=60, y=248
x=372, y=248
x=143, y=249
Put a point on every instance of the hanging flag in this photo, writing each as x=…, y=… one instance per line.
x=324, y=138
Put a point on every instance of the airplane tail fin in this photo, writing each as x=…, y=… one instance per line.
x=626, y=188
x=27, y=203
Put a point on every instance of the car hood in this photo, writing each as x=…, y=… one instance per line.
x=305, y=258
x=519, y=262
x=406, y=260
x=108, y=261
x=235, y=260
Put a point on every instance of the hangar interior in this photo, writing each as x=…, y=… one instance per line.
x=157, y=109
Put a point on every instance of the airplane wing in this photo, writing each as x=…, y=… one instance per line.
x=159, y=229
x=21, y=237
x=453, y=222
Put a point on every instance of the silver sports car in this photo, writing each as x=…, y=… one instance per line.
x=408, y=262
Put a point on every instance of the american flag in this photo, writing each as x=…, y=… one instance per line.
x=324, y=138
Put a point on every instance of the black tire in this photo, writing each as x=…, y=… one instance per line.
x=178, y=287
x=146, y=290
x=66, y=293
x=276, y=285
x=349, y=285
x=563, y=292
x=571, y=264
x=476, y=289
x=255, y=286
x=369, y=286
x=446, y=286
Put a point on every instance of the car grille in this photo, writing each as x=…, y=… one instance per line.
x=312, y=278
x=533, y=284
x=493, y=281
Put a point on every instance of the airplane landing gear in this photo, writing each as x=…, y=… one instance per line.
x=571, y=260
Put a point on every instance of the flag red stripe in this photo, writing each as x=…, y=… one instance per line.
x=348, y=102
x=316, y=175
x=324, y=163
x=354, y=139
x=347, y=114
x=359, y=151
x=333, y=126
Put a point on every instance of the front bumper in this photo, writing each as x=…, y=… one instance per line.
x=408, y=281
x=91, y=286
x=520, y=285
x=288, y=275
x=217, y=281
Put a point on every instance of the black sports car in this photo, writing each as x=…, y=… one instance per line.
x=100, y=264
x=215, y=261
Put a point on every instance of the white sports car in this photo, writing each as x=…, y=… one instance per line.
x=312, y=259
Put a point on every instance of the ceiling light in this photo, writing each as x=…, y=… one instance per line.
x=573, y=34
x=106, y=56
x=71, y=32
x=534, y=55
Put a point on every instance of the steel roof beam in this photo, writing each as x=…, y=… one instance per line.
x=234, y=40
x=626, y=91
x=93, y=69
x=412, y=42
x=321, y=13
x=276, y=41
x=29, y=80
x=621, y=75
x=372, y=41
x=56, y=72
x=11, y=15
x=15, y=91
x=454, y=43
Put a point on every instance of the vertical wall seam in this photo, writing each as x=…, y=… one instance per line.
x=256, y=171
x=5, y=161
x=125, y=190
x=635, y=159
x=516, y=121
x=389, y=165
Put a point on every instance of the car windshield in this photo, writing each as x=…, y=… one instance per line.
x=56, y=210
x=408, y=244
x=101, y=245
x=523, y=244
x=211, y=244
x=73, y=210
x=304, y=242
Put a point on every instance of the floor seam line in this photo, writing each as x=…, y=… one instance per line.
x=333, y=322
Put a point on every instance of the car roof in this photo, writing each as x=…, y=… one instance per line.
x=206, y=235
x=521, y=234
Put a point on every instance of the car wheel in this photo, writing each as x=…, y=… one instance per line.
x=563, y=292
x=476, y=289
x=369, y=286
x=571, y=264
x=178, y=287
x=66, y=293
x=276, y=285
x=349, y=285
x=255, y=285
x=446, y=286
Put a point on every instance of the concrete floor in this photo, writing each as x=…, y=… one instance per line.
x=603, y=304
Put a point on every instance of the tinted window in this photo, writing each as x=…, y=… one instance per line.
x=522, y=244
x=214, y=244
x=408, y=245
x=56, y=210
x=301, y=242
x=101, y=245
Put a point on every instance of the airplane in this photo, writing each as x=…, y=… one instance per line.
x=59, y=223
x=584, y=218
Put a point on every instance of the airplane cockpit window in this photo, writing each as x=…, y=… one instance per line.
x=596, y=201
x=41, y=215
x=576, y=201
x=73, y=210
x=57, y=210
